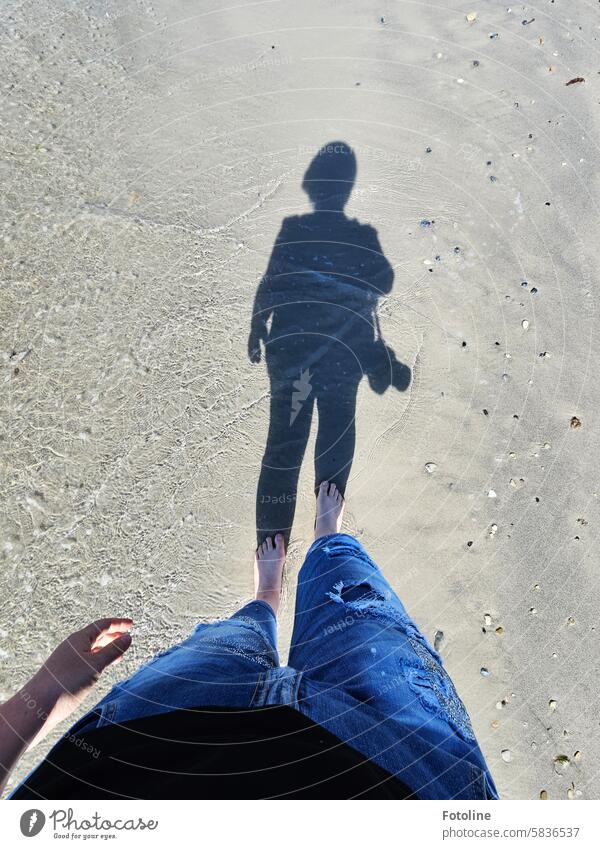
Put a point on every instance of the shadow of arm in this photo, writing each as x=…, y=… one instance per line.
x=265, y=299
x=382, y=277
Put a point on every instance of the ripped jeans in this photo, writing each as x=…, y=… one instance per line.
x=358, y=666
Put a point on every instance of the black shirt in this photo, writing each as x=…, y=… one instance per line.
x=210, y=753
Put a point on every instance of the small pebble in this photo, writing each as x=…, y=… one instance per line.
x=561, y=763
x=525, y=324
x=500, y=631
x=552, y=705
x=575, y=422
x=495, y=723
x=492, y=493
x=439, y=641
x=543, y=794
x=430, y=468
x=506, y=755
x=484, y=671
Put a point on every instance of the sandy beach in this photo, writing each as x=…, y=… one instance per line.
x=150, y=152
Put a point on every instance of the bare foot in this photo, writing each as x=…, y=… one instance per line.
x=330, y=509
x=268, y=570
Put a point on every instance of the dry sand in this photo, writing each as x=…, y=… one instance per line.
x=150, y=152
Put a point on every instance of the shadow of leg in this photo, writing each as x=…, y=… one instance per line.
x=289, y=430
x=336, y=435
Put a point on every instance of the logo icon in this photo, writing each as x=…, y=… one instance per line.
x=302, y=389
x=32, y=822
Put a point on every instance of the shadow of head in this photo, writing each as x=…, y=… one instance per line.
x=329, y=178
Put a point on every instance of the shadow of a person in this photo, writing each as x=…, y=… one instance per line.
x=315, y=312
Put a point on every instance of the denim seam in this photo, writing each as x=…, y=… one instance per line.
x=259, y=683
x=296, y=687
x=478, y=780
x=264, y=604
x=107, y=714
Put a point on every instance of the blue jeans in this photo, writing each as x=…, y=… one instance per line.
x=358, y=666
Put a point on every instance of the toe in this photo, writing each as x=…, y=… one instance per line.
x=279, y=543
x=333, y=491
x=269, y=544
x=324, y=487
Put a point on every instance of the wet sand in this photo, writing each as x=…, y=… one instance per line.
x=150, y=154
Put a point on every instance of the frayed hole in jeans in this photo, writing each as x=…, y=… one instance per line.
x=422, y=668
x=358, y=595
